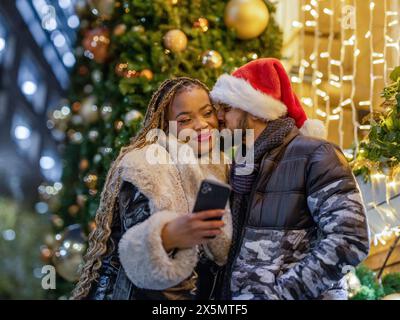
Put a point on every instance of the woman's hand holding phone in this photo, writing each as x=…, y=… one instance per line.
x=192, y=229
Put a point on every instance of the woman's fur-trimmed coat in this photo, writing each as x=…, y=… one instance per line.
x=171, y=188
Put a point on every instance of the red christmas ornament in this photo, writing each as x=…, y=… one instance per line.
x=97, y=41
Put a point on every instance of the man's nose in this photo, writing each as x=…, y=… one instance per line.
x=221, y=115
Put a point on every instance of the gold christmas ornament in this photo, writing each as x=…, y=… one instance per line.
x=249, y=18
x=175, y=40
x=118, y=125
x=90, y=181
x=147, y=73
x=202, y=24
x=120, y=29
x=68, y=256
x=97, y=41
x=211, y=59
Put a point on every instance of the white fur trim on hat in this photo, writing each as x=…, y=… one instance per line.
x=314, y=128
x=239, y=93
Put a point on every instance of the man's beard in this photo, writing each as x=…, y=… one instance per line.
x=243, y=126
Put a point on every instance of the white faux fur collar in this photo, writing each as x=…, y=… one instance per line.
x=169, y=185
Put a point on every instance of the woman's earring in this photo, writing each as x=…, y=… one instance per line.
x=184, y=141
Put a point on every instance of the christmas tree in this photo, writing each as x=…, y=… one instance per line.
x=125, y=50
x=379, y=152
x=378, y=160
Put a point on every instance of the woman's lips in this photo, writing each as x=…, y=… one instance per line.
x=203, y=137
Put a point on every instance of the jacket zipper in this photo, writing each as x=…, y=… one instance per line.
x=213, y=287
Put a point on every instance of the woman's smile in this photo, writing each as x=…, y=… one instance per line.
x=204, y=136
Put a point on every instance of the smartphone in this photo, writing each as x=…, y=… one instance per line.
x=212, y=195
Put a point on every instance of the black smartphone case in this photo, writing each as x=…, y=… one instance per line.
x=212, y=195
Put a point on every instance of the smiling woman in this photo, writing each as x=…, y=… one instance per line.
x=195, y=117
x=156, y=253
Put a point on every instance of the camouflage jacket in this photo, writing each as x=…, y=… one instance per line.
x=304, y=226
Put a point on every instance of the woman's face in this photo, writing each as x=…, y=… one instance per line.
x=192, y=109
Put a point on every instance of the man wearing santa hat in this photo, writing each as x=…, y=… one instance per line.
x=298, y=218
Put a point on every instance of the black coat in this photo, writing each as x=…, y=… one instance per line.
x=113, y=283
x=303, y=226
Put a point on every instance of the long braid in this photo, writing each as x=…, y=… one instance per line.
x=155, y=118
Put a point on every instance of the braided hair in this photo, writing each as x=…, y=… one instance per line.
x=155, y=118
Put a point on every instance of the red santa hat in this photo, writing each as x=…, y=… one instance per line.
x=263, y=89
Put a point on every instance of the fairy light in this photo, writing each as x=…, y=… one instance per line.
x=334, y=77
x=378, y=176
x=365, y=127
x=346, y=102
x=379, y=61
x=314, y=66
x=321, y=113
x=324, y=55
x=341, y=71
x=310, y=23
x=390, y=43
x=371, y=48
x=337, y=110
x=307, y=101
x=297, y=24
x=353, y=85
x=304, y=64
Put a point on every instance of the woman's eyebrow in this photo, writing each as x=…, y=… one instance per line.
x=205, y=106
x=182, y=113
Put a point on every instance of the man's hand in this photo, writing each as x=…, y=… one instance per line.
x=192, y=229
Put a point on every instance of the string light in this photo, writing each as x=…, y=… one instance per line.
x=339, y=74
x=353, y=85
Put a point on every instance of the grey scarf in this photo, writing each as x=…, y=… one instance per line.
x=270, y=138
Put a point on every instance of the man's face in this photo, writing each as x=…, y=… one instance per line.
x=231, y=118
